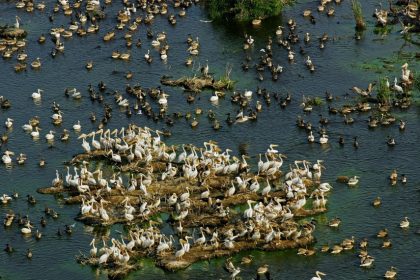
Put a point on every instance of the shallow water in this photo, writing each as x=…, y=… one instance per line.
x=338, y=67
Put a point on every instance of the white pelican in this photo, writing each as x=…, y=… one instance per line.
x=172, y=199
x=255, y=186
x=235, y=272
x=115, y=157
x=94, y=250
x=180, y=252
x=17, y=25
x=104, y=258
x=318, y=275
x=248, y=213
x=201, y=240
x=163, y=245
x=231, y=191
x=85, y=144
x=37, y=95
x=271, y=149
x=96, y=144
x=186, y=195
x=267, y=189
x=205, y=194
x=104, y=215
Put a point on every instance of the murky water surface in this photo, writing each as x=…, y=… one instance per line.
x=342, y=64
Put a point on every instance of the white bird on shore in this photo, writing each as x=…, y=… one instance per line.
x=397, y=87
x=235, y=272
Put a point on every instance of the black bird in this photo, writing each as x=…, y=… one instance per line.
x=341, y=140
x=68, y=229
x=355, y=142
x=229, y=120
x=43, y=222
x=29, y=254
x=390, y=141
x=31, y=199
x=8, y=249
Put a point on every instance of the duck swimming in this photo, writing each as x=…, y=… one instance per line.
x=341, y=140
x=37, y=95
x=323, y=139
x=390, y=141
x=391, y=273
x=36, y=64
x=404, y=223
x=318, y=275
x=8, y=249
x=355, y=142
x=353, y=181
x=377, y=202
x=335, y=223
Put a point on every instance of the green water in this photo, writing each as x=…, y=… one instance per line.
x=342, y=64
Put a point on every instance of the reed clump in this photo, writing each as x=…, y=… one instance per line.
x=358, y=15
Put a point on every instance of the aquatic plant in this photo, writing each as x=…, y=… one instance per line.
x=358, y=15
x=245, y=10
x=317, y=101
x=384, y=94
x=226, y=80
x=385, y=30
x=416, y=80
x=197, y=83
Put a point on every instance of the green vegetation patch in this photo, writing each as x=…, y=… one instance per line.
x=245, y=10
